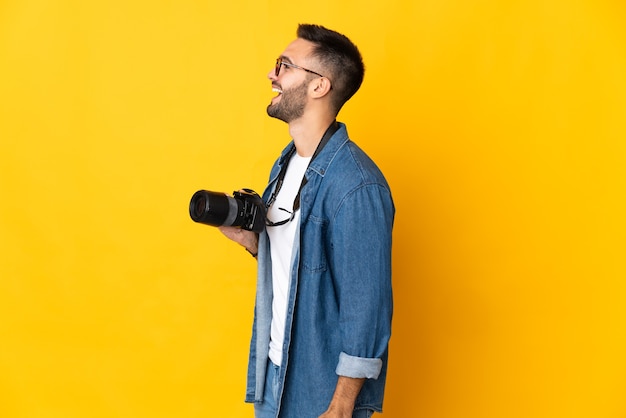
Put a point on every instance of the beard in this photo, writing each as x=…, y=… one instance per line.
x=291, y=104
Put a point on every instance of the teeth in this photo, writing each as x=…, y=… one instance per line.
x=277, y=90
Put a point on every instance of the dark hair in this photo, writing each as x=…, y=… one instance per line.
x=339, y=56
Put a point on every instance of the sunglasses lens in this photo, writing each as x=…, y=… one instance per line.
x=278, y=65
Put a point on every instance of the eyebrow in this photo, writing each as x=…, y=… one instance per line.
x=285, y=58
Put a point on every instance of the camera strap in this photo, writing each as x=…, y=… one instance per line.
x=334, y=127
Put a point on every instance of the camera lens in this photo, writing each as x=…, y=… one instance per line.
x=213, y=208
x=199, y=206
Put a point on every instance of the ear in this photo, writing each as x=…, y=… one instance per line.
x=319, y=87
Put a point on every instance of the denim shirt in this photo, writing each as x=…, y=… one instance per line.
x=340, y=301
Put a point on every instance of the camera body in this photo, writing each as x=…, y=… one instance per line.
x=245, y=209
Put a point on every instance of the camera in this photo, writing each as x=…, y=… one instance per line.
x=245, y=209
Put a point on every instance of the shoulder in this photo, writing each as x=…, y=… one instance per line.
x=352, y=167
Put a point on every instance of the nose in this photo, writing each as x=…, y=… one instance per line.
x=272, y=74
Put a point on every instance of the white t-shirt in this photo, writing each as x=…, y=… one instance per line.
x=281, y=246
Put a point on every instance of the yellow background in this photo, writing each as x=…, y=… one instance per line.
x=500, y=126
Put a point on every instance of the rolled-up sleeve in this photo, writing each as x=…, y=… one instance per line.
x=359, y=367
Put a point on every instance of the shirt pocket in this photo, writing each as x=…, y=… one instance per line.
x=313, y=245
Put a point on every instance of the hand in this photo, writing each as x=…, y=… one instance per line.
x=248, y=239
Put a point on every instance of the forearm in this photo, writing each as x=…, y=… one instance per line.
x=342, y=403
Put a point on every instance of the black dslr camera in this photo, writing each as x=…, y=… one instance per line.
x=245, y=209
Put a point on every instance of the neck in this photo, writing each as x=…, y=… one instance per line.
x=307, y=133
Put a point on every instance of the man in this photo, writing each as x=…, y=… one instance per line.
x=324, y=303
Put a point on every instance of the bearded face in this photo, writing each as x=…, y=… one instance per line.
x=289, y=104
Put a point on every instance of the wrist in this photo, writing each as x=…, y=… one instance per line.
x=253, y=246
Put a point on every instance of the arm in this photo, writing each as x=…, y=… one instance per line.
x=248, y=239
x=361, y=262
x=342, y=404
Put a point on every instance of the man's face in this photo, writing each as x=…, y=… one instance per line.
x=292, y=83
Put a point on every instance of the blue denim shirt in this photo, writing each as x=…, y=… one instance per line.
x=340, y=300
